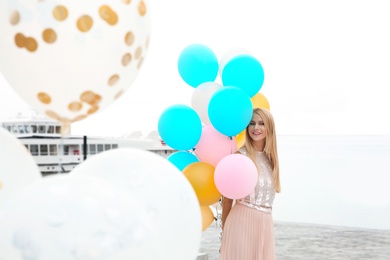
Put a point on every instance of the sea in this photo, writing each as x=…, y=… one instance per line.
x=341, y=180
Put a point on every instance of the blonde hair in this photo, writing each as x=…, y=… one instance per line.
x=270, y=147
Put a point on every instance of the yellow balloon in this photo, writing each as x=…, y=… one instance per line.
x=240, y=139
x=260, y=101
x=201, y=177
x=207, y=217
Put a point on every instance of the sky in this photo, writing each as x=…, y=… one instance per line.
x=326, y=64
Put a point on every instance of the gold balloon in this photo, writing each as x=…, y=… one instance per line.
x=201, y=177
x=207, y=217
x=260, y=101
x=240, y=139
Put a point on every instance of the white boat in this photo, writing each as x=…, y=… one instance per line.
x=57, y=153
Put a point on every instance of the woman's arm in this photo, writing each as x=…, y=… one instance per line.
x=226, y=207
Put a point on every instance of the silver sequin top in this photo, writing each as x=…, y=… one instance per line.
x=263, y=195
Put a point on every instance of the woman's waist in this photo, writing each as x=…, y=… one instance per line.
x=267, y=208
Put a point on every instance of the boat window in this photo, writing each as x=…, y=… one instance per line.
x=21, y=129
x=107, y=147
x=42, y=129
x=43, y=149
x=34, y=128
x=9, y=128
x=58, y=129
x=34, y=149
x=114, y=146
x=28, y=129
x=14, y=129
x=50, y=129
x=26, y=146
x=53, y=149
x=92, y=149
x=99, y=148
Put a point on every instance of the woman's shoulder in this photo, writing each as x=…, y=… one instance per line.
x=242, y=150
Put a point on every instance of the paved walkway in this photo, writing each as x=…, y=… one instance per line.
x=297, y=241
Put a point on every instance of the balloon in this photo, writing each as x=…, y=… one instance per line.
x=230, y=54
x=260, y=101
x=201, y=98
x=240, y=139
x=71, y=60
x=245, y=72
x=235, y=176
x=74, y=217
x=164, y=192
x=180, y=127
x=213, y=145
x=182, y=159
x=207, y=217
x=17, y=167
x=197, y=64
x=230, y=110
x=201, y=177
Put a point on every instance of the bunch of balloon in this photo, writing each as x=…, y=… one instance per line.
x=70, y=60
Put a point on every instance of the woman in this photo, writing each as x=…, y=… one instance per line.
x=248, y=232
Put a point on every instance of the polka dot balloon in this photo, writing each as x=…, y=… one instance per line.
x=71, y=59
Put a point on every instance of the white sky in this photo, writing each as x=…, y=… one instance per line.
x=326, y=63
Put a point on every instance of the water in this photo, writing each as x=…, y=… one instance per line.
x=334, y=180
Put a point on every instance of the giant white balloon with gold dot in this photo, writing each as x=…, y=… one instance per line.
x=70, y=59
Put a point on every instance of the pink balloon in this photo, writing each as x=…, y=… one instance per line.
x=213, y=145
x=235, y=176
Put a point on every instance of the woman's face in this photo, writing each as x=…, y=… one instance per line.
x=256, y=128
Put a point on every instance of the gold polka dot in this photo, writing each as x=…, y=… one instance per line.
x=84, y=23
x=49, y=36
x=78, y=118
x=52, y=114
x=60, y=12
x=107, y=14
x=44, y=98
x=147, y=42
x=65, y=125
x=129, y=38
x=31, y=44
x=126, y=1
x=138, y=52
x=75, y=106
x=92, y=110
x=20, y=40
x=142, y=8
x=90, y=98
x=14, y=18
x=126, y=59
x=140, y=63
x=1, y=185
x=113, y=80
x=119, y=94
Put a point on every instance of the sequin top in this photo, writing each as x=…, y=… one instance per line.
x=263, y=195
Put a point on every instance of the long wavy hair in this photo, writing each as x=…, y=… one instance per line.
x=270, y=147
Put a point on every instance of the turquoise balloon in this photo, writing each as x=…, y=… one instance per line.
x=197, y=64
x=182, y=159
x=180, y=127
x=245, y=72
x=230, y=110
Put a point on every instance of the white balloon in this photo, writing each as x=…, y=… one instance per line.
x=227, y=56
x=71, y=59
x=73, y=217
x=17, y=167
x=164, y=192
x=201, y=98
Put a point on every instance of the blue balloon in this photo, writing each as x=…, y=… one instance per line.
x=180, y=127
x=230, y=110
x=245, y=72
x=197, y=64
x=182, y=159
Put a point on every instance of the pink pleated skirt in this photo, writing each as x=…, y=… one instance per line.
x=248, y=234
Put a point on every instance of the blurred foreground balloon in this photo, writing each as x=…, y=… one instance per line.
x=162, y=190
x=17, y=167
x=235, y=176
x=71, y=59
x=74, y=217
x=197, y=64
